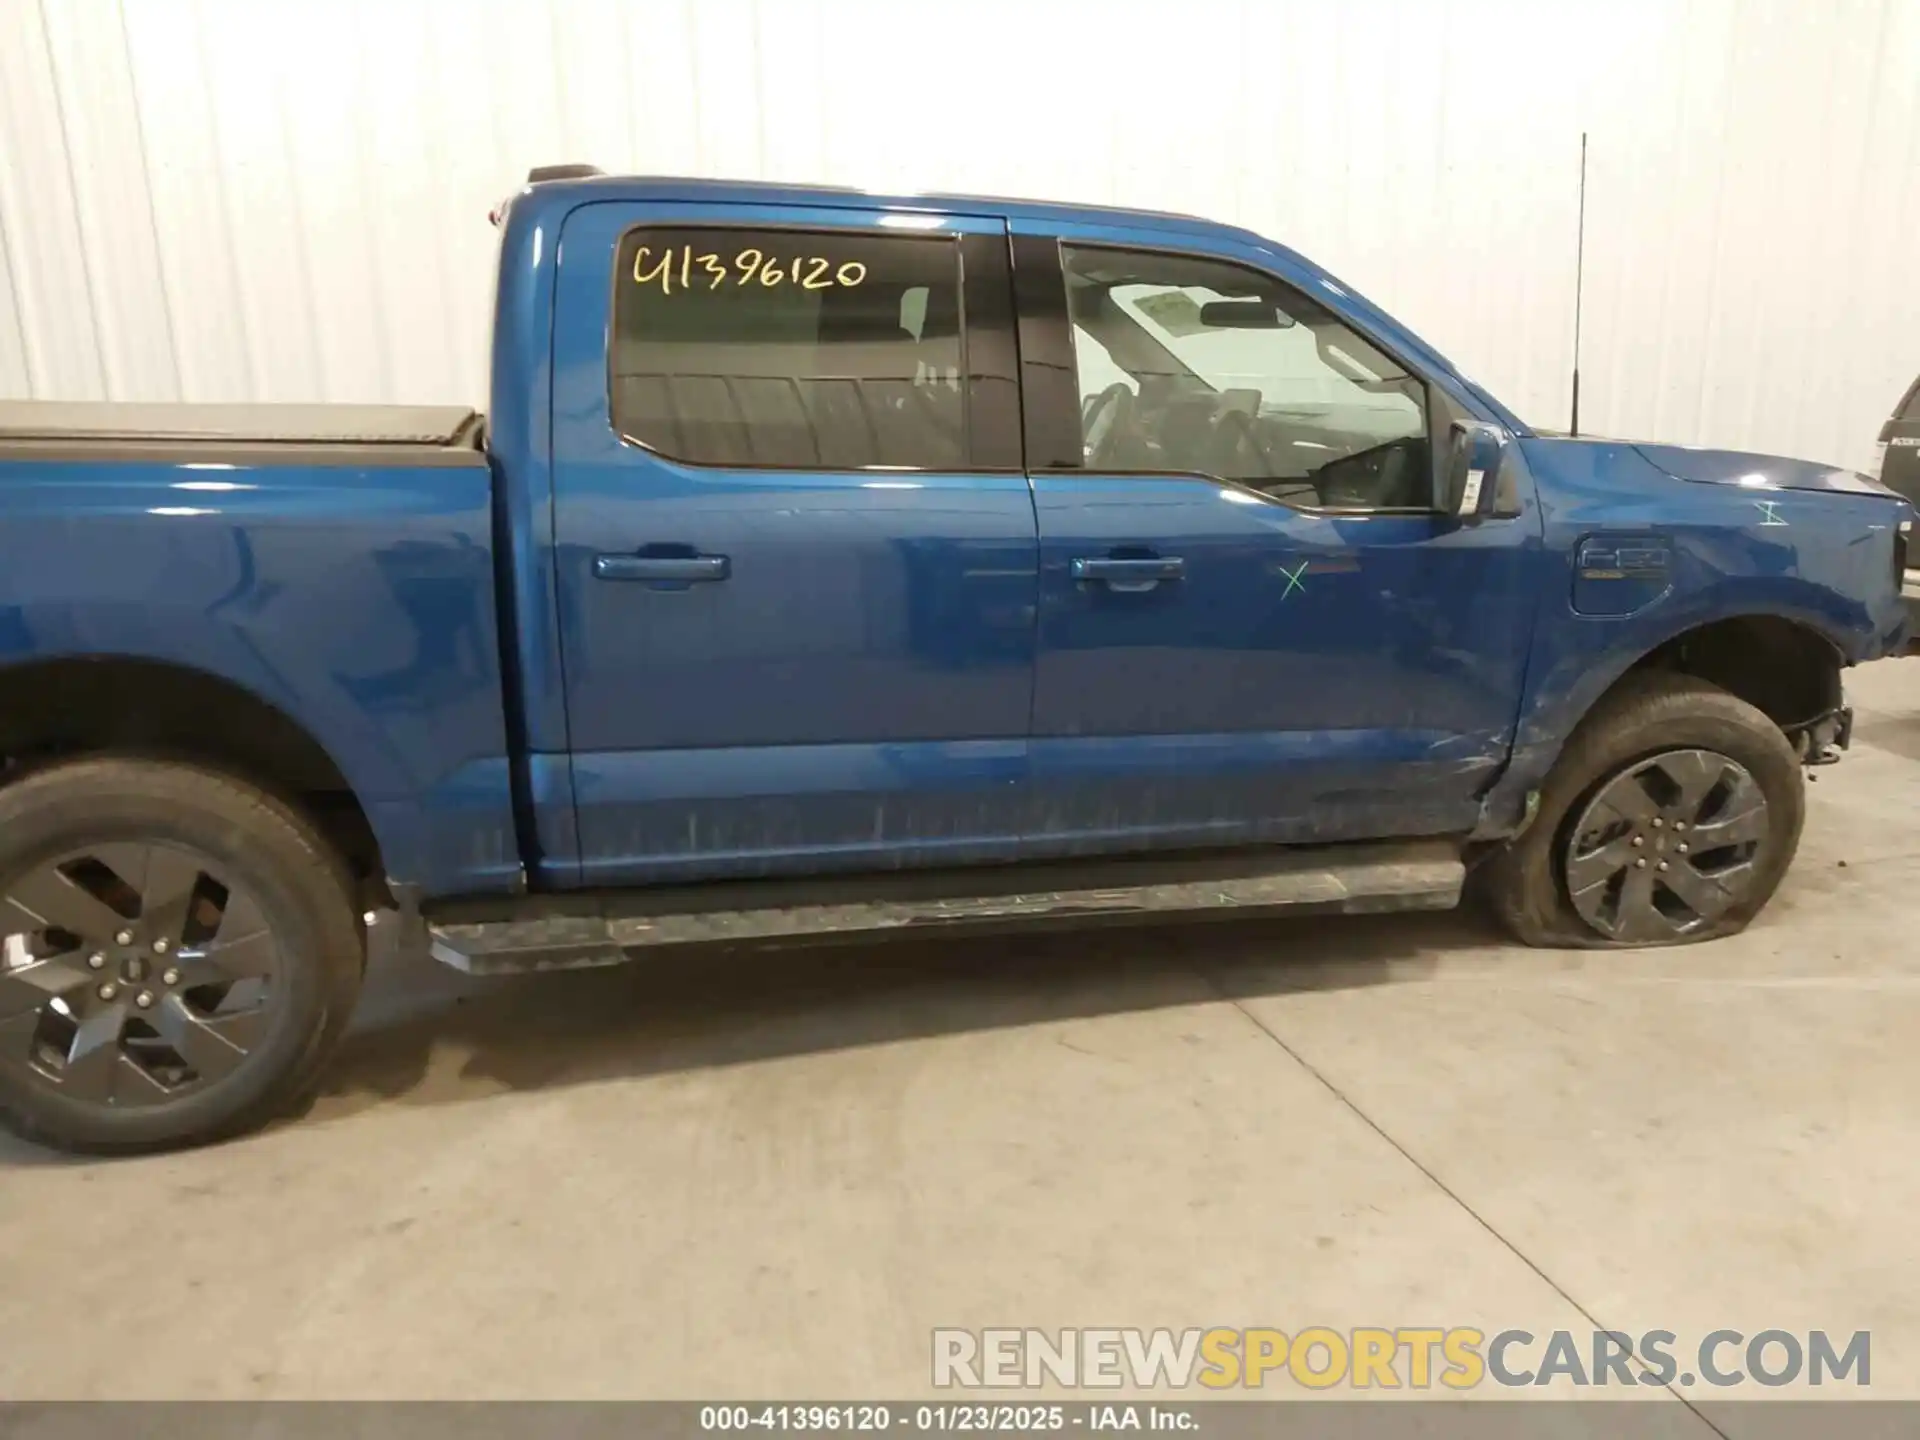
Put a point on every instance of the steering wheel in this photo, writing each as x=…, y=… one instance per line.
x=1234, y=435
x=1102, y=416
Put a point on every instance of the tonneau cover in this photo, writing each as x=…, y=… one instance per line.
x=106, y=423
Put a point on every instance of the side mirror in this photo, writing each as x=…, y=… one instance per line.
x=1469, y=483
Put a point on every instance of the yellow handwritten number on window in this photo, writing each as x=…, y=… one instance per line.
x=679, y=267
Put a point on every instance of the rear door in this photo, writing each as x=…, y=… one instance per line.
x=1900, y=447
x=795, y=547
x=1253, y=624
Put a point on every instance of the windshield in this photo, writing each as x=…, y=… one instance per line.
x=1303, y=352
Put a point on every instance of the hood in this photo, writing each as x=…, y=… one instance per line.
x=1758, y=472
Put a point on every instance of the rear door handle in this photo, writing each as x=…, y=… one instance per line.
x=1130, y=574
x=684, y=568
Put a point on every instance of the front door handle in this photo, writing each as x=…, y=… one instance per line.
x=1130, y=574
x=683, y=568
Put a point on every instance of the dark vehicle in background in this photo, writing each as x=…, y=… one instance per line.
x=1900, y=471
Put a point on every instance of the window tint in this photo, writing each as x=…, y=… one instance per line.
x=790, y=348
x=1911, y=411
x=1188, y=364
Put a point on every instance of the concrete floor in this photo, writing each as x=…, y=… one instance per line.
x=775, y=1175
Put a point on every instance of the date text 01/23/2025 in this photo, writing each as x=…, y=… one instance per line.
x=976, y=1418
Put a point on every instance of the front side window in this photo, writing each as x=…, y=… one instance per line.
x=1188, y=364
x=790, y=349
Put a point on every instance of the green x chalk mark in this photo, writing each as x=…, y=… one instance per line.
x=1293, y=578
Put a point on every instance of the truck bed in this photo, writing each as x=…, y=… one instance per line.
x=106, y=427
x=255, y=563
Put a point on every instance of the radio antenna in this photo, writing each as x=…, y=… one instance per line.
x=1579, y=282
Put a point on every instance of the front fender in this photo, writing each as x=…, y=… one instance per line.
x=1577, y=674
x=1574, y=681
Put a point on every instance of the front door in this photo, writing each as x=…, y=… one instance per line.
x=795, y=548
x=1253, y=624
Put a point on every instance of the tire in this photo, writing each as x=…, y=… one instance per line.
x=268, y=914
x=1647, y=724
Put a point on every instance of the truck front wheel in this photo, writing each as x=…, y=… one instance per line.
x=1671, y=816
x=181, y=953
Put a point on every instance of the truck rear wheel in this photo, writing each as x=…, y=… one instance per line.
x=181, y=952
x=1671, y=816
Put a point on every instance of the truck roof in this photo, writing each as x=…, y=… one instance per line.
x=551, y=190
x=580, y=180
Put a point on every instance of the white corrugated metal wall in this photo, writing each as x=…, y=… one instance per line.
x=286, y=199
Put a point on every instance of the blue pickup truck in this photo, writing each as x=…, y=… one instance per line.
x=835, y=563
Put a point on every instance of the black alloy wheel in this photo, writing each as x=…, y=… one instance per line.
x=1667, y=846
x=133, y=974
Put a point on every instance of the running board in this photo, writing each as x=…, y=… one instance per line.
x=574, y=932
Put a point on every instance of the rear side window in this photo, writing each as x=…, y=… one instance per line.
x=790, y=349
x=1911, y=410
